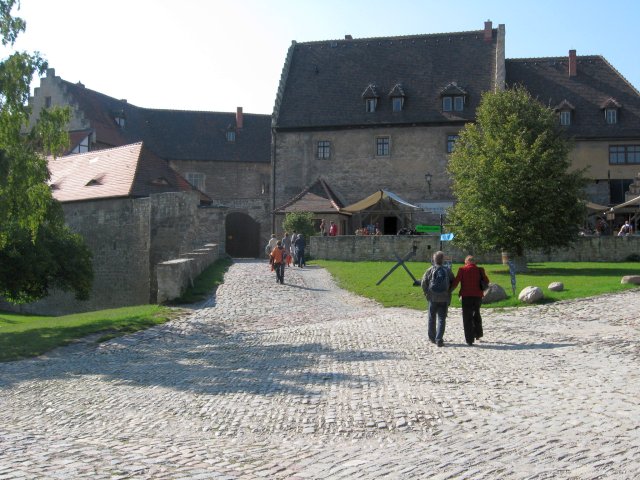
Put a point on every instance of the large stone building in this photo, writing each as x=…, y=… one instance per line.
x=224, y=155
x=384, y=113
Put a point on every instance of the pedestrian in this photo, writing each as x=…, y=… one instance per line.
x=299, y=247
x=436, y=284
x=286, y=243
x=271, y=244
x=323, y=228
x=333, y=229
x=471, y=292
x=278, y=259
x=294, y=237
x=625, y=229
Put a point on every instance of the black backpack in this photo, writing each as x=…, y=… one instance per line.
x=439, y=280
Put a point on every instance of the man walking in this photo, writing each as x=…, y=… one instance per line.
x=471, y=292
x=436, y=285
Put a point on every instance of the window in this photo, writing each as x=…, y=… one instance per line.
x=324, y=149
x=396, y=103
x=453, y=103
x=47, y=102
x=624, y=154
x=618, y=187
x=451, y=140
x=382, y=146
x=611, y=116
x=82, y=147
x=231, y=136
x=120, y=121
x=196, y=179
x=565, y=118
x=371, y=104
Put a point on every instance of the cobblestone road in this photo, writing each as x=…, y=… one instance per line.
x=306, y=381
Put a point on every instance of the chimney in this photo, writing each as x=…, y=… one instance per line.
x=239, y=118
x=573, y=63
x=348, y=37
x=488, y=31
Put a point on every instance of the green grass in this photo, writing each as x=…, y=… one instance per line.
x=580, y=280
x=206, y=283
x=23, y=336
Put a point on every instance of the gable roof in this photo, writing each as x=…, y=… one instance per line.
x=127, y=171
x=595, y=82
x=318, y=197
x=323, y=82
x=174, y=134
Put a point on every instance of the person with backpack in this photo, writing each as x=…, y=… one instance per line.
x=436, y=285
x=473, y=282
x=278, y=258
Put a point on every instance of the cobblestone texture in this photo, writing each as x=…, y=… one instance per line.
x=306, y=381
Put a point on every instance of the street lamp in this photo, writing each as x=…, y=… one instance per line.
x=611, y=215
x=428, y=178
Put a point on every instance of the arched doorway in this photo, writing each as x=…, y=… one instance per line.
x=243, y=236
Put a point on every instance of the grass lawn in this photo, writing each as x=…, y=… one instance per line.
x=24, y=336
x=581, y=279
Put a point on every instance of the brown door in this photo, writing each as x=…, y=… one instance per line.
x=243, y=236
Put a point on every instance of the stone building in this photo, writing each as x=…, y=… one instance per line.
x=384, y=113
x=224, y=155
x=133, y=212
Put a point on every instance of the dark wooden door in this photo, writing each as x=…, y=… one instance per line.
x=243, y=236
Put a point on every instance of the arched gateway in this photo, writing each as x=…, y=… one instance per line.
x=242, y=236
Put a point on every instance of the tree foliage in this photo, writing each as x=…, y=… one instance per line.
x=511, y=178
x=300, y=222
x=35, y=245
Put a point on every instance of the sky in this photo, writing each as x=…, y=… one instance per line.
x=217, y=55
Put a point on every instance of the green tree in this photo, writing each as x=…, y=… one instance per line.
x=512, y=180
x=31, y=222
x=300, y=222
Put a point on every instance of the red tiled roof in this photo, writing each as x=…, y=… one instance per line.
x=127, y=171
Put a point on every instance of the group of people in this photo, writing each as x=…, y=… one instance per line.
x=438, y=284
x=332, y=231
x=282, y=252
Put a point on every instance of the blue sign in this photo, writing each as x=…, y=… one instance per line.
x=446, y=237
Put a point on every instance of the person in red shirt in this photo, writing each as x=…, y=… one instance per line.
x=333, y=229
x=471, y=297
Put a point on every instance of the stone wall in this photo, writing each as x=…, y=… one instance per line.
x=128, y=238
x=384, y=248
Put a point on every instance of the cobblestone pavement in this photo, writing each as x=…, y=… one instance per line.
x=305, y=380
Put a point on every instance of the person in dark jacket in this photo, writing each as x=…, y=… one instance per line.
x=299, y=247
x=436, y=284
x=471, y=297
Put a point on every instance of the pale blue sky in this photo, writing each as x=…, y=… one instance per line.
x=217, y=55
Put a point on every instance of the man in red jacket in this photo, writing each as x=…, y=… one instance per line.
x=471, y=296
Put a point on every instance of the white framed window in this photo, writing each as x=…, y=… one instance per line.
x=383, y=146
x=453, y=103
x=196, y=179
x=565, y=118
x=231, y=136
x=120, y=121
x=458, y=103
x=611, y=116
x=397, y=104
x=82, y=147
x=447, y=104
x=370, y=104
x=324, y=149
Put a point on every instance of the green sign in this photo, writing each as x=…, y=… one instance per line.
x=428, y=228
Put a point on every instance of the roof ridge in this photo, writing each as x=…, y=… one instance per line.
x=102, y=150
x=557, y=58
x=394, y=37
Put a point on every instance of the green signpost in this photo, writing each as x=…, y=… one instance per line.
x=428, y=228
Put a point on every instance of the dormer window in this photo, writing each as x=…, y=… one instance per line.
x=565, y=112
x=397, y=97
x=370, y=96
x=453, y=98
x=231, y=136
x=610, y=108
x=119, y=118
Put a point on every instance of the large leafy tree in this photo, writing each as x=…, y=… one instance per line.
x=37, y=251
x=512, y=179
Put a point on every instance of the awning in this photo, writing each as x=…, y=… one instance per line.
x=373, y=199
x=633, y=201
x=594, y=207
